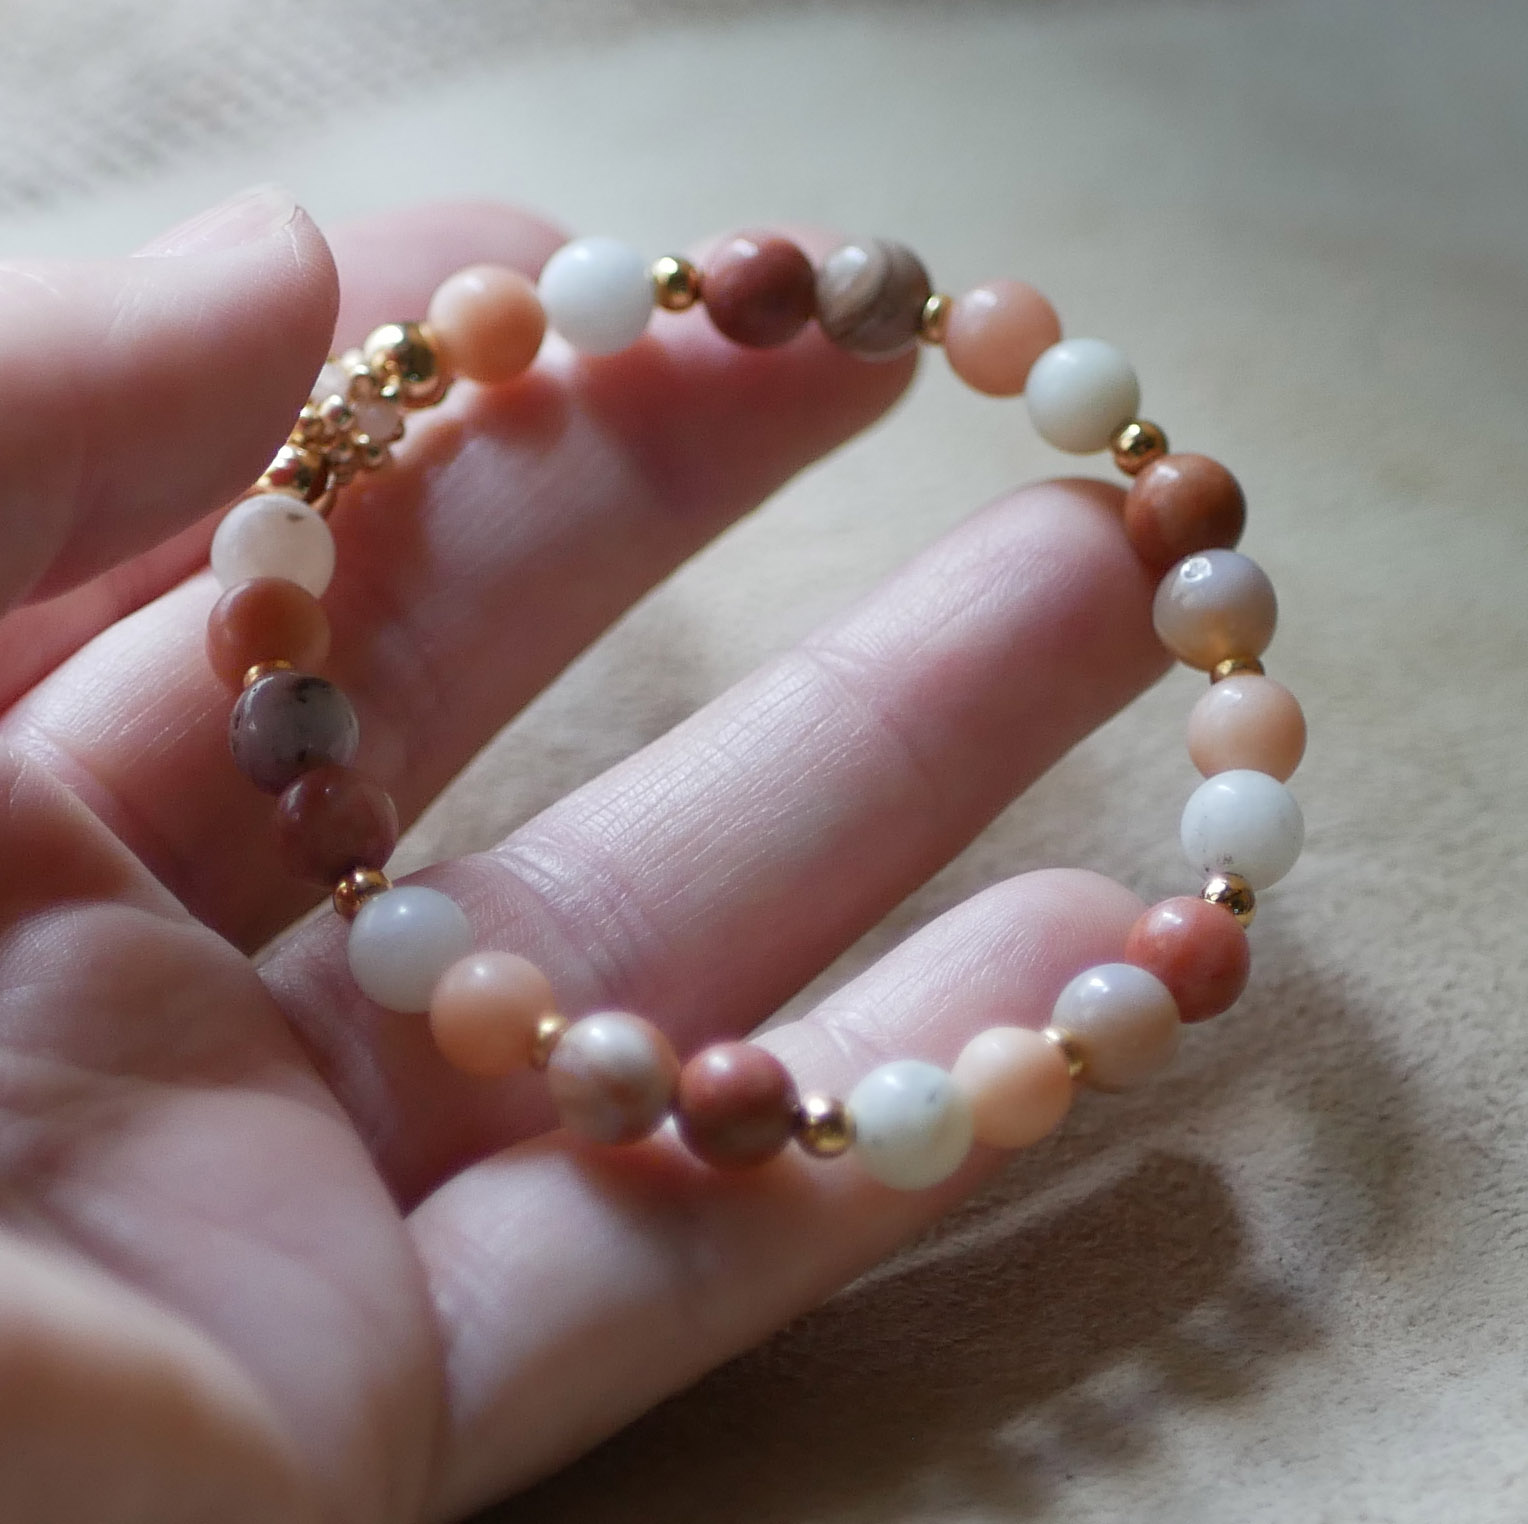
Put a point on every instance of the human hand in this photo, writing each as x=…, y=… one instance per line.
x=264, y=1256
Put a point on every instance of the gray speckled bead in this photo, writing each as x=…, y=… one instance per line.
x=286, y=724
x=870, y=298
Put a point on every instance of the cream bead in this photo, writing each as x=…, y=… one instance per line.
x=598, y=294
x=1122, y=1022
x=1080, y=392
x=1243, y=822
x=912, y=1124
x=273, y=535
x=1017, y=1082
x=1215, y=605
x=402, y=941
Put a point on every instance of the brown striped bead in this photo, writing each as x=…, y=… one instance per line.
x=736, y=1105
x=759, y=290
x=870, y=298
x=265, y=619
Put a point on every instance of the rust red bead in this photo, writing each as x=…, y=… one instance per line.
x=759, y=290
x=334, y=819
x=1197, y=950
x=1182, y=504
x=736, y=1105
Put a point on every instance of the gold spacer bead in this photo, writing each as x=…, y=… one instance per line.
x=935, y=319
x=1138, y=444
x=676, y=283
x=1231, y=892
x=252, y=675
x=1234, y=664
x=358, y=886
x=549, y=1030
x=1070, y=1050
x=297, y=470
x=408, y=356
x=824, y=1127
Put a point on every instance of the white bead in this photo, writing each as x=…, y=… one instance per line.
x=1243, y=822
x=377, y=418
x=912, y=1124
x=1080, y=392
x=402, y=941
x=598, y=294
x=273, y=535
x=1123, y=1020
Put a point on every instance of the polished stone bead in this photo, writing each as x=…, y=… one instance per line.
x=995, y=334
x=273, y=535
x=488, y=322
x=1121, y=1021
x=870, y=298
x=598, y=294
x=333, y=819
x=612, y=1077
x=402, y=941
x=1247, y=721
x=1197, y=950
x=759, y=290
x=1080, y=393
x=912, y=1124
x=485, y=1010
x=736, y=1105
x=1018, y=1084
x=288, y=723
x=1243, y=822
x=1181, y=504
x=1214, y=605
x=265, y=619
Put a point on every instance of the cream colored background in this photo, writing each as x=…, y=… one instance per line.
x=1288, y=1283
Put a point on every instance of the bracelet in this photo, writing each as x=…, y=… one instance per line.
x=613, y=1076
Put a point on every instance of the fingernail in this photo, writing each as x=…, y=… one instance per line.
x=246, y=218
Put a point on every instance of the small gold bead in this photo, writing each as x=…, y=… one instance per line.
x=407, y=355
x=252, y=675
x=297, y=470
x=1234, y=664
x=549, y=1030
x=824, y=1127
x=936, y=318
x=358, y=886
x=1070, y=1050
x=1137, y=445
x=1231, y=892
x=676, y=282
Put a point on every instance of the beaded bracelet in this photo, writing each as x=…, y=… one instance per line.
x=613, y=1076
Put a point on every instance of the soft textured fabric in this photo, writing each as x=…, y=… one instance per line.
x=1288, y=1282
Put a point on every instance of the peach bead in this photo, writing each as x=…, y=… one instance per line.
x=488, y=322
x=484, y=1011
x=265, y=619
x=995, y=334
x=1017, y=1083
x=1247, y=721
x=1198, y=951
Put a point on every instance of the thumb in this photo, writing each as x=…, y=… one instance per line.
x=138, y=394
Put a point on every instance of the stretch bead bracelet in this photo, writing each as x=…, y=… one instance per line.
x=613, y=1076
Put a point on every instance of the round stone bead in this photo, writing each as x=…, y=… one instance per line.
x=402, y=941
x=1214, y=605
x=1122, y=1021
x=484, y=1010
x=995, y=334
x=598, y=294
x=612, y=1077
x=1018, y=1085
x=1197, y=950
x=288, y=723
x=273, y=535
x=379, y=418
x=912, y=1124
x=1080, y=393
x=488, y=322
x=1181, y=504
x=870, y=298
x=1247, y=721
x=333, y=819
x=1243, y=822
x=265, y=619
x=759, y=290
x=736, y=1105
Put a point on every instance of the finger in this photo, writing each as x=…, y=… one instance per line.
x=145, y=391
x=709, y=877
x=523, y=522
x=646, y=1268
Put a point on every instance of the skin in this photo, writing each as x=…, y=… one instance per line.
x=263, y=1255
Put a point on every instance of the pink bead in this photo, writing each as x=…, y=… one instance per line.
x=488, y=322
x=1017, y=1083
x=484, y=1011
x=1247, y=721
x=995, y=334
x=1198, y=951
x=612, y=1077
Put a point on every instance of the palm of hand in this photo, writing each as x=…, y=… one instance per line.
x=263, y=1257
